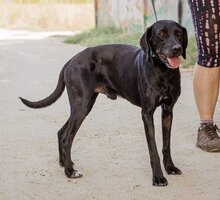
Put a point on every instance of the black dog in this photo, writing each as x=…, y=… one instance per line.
x=147, y=77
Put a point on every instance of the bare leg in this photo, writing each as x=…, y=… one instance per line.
x=206, y=89
x=207, y=70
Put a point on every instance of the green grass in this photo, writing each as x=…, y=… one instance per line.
x=113, y=35
x=191, y=54
x=101, y=36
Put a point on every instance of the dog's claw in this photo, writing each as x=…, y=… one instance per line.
x=173, y=170
x=159, y=181
x=73, y=174
x=61, y=164
x=76, y=174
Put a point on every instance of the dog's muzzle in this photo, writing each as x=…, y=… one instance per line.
x=172, y=59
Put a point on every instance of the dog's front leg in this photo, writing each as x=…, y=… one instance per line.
x=158, y=178
x=167, y=118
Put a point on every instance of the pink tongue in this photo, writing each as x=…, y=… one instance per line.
x=174, y=62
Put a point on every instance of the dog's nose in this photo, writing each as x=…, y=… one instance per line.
x=177, y=49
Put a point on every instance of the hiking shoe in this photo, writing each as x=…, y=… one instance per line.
x=208, y=139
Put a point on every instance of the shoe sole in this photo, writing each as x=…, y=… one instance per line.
x=207, y=149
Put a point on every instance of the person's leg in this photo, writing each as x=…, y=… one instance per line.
x=207, y=71
x=206, y=89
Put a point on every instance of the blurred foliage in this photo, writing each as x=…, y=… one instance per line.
x=191, y=53
x=46, y=1
x=111, y=35
x=47, y=16
x=108, y=35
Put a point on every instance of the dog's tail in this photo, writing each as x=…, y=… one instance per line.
x=51, y=98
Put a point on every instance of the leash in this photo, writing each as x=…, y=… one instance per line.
x=155, y=14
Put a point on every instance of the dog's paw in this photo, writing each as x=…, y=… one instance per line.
x=76, y=174
x=73, y=173
x=159, y=181
x=171, y=169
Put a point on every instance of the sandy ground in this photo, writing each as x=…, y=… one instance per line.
x=110, y=148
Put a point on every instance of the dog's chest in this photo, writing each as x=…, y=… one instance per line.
x=164, y=96
x=161, y=90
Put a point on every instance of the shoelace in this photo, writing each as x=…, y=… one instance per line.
x=212, y=131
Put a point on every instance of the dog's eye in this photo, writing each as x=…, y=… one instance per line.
x=179, y=35
x=162, y=34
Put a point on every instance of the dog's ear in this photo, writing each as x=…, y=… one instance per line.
x=185, y=42
x=145, y=40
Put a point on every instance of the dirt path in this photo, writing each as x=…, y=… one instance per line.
x=110, y=149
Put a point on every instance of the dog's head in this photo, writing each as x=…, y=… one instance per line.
x=167, y=40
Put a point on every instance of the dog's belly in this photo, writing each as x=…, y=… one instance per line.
x=111, y=93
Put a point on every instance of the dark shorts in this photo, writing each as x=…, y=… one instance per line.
x=206, y=20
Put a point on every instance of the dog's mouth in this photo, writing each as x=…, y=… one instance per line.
x=171, y=62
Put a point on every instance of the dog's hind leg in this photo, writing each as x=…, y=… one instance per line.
x=167, y=117
x=91, y=103
x=81, y=98
x=61, y=132
x=66, y=142
x=60, y=136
